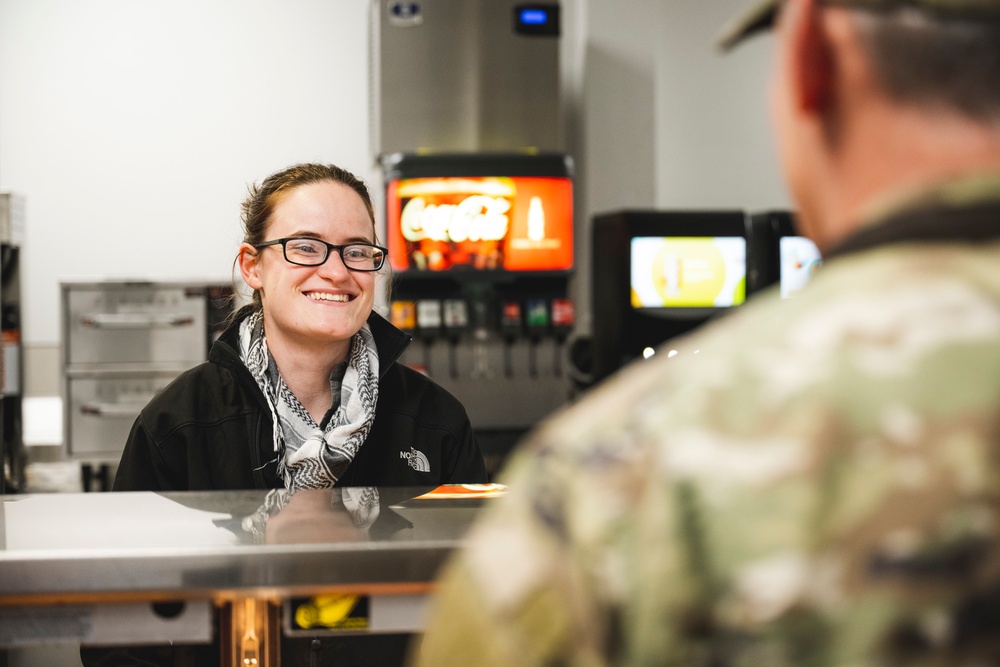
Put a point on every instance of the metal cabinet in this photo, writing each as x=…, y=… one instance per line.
x=122, y=342
x=13, y=456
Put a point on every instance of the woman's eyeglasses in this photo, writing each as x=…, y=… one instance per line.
x=313, y=252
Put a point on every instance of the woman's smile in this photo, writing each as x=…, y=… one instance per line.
x=338, y=297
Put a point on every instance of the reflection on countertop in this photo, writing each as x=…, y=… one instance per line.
x=91, y=544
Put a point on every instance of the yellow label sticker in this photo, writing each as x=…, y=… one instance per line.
x=332, y=612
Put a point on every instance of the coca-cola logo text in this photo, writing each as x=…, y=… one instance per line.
x=475, y=218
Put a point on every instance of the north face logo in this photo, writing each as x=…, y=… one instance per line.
x=416, y=460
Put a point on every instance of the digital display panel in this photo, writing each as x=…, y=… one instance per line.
x=799, y=257
x=533, y=16
x=537, y=20
x=480, y=223
x=688, y=272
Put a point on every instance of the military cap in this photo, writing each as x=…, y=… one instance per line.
x=761, y=16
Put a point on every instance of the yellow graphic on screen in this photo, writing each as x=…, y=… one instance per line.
x=688, y=272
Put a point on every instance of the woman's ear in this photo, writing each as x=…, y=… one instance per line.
x=249, y=261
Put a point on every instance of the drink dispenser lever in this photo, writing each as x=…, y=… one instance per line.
x=563, y=320
x=429, y=327
x=510, y=328
x=456, y=320
x=538, y=324
x=403, y=315
x=481, y=335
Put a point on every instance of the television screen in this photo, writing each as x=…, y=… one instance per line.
x=799, y=258
x=480, y=223
x=688, y=272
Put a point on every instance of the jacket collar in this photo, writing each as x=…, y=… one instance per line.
x=389, y=341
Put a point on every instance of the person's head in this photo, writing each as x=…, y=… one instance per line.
x=860, y=80
x=327, y=300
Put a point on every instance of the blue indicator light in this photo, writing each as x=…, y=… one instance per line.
x=534, y=17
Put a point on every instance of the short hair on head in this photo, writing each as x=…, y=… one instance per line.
x=947, y=64
x=261, y=199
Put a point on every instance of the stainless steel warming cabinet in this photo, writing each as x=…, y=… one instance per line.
x=122, y=341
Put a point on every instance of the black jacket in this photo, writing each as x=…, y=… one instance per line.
x=210, y=429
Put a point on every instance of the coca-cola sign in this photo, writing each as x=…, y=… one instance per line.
x=475, y=218
x=480, y=223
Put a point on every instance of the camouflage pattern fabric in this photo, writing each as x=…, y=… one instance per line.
x=818, y=485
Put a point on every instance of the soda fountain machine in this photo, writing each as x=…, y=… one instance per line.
x=660, y=274
x=481, y=253
x=467, y=128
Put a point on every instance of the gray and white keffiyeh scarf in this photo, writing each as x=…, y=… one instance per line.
x=310, y=457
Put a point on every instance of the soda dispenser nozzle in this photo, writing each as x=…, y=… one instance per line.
x=563, y=319
x=480, y=335
x=429, y=326
x=456, y=321
x=510, y=327
x=403, y=315
x=537, y=320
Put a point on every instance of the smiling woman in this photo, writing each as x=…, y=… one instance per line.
x=312, y=306
x=302, y=390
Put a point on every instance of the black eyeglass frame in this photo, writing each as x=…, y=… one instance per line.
x=283, y=242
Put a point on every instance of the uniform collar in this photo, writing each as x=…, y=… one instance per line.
x=965, y=209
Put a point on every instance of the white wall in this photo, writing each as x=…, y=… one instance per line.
x=714, y=141
x=664, y=119
x=133, y=127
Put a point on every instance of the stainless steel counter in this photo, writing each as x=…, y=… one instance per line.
x=72, y=566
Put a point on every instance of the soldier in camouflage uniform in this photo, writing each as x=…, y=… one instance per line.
x=820, y=485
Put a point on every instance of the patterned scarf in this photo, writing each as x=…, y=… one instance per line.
x=310, y=457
